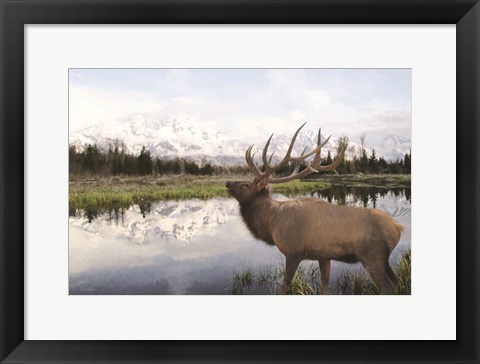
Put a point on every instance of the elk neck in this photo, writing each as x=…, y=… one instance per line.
x=257, y=215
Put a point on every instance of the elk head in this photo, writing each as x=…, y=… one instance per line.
x=245, y=192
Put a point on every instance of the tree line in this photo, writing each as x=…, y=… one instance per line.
x=117, y=161
x=372, y=164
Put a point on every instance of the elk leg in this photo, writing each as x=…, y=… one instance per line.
x=291, y=266
x=380, y=277
x=376, y=264
x=391, y=274
x=325, y=274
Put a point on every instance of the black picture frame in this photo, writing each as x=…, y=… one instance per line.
x=15, y=14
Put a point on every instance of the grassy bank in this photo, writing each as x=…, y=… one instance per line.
x=126, y=191
x=388, y=181
x=307, y=281
x=96, y=193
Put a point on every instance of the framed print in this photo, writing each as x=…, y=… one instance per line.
x=134, y=205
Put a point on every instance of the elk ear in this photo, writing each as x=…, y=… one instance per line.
x=261, y=184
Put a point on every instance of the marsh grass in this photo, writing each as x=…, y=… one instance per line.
x=359, y=283
x=404, y=275
x=300, y=186
x=105, y=193
x=268, y=281
x=307, y=281
x=356, y=283
x=368, y=180
x=241, y=282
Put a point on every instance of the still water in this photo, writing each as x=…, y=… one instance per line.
x=191, y=246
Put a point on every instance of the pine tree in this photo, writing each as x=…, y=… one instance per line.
x=372, y=163
x=407, y=167
x=177, y=166
x=91, y=162
x=382, y=165
x=117, y=168
x=327, y=160
x=364, y=162
x=144, y=162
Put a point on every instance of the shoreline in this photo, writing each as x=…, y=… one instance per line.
x=96, y=192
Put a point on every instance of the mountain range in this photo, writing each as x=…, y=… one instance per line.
x=180, y=137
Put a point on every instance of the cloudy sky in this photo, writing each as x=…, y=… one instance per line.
x=249, y=102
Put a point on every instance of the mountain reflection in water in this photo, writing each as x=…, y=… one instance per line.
x=190, y=246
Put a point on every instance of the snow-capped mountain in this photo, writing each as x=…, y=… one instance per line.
x=165, y=138
x=180, y=137
x=395, y=146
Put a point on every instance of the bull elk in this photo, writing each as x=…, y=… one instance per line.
x=313, y=229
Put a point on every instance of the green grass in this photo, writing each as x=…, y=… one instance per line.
x=297, y=186
x=123, y=192
x=100, y=193
x=404, y=275
x=241, y=282
x=356, y=283
x=307, y=281
x=368, y=180
x=269, y=281
x=104, y=193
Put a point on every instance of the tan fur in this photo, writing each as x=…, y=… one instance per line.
x=317, y=230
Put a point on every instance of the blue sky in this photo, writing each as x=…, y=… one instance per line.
x=248, y=102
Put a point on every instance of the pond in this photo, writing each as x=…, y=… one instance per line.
x=193, y=246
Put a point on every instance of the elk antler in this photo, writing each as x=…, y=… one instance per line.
x=313, y=167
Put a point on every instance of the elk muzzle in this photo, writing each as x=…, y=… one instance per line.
x=231, y=187
x=238, y=190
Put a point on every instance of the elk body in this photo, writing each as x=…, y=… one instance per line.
x=314, y=229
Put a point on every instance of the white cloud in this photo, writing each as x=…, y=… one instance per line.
x=339, y=101
x=89, y=106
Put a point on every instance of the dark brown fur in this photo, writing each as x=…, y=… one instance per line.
x=316, y=230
